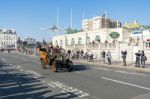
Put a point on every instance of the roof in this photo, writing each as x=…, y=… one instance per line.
x=7, y=31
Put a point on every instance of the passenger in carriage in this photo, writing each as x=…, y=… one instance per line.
x=43, y=54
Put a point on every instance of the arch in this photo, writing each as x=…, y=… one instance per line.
x=97, y=38
x=61, y=43
x=72, y=41
x=66, y=41
x=56, y=42
x=88, y=39
x=79, y=40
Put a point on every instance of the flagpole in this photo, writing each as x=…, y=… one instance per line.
x=71, y=19
x=57, y=19
x=106, y=25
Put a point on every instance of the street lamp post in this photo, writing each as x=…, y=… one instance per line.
x=86, y=41
x=65, y=39
x=142, y=38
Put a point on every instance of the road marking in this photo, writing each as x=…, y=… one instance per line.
x=35, y=77
x=43, y=81
x=68, y=89
x=51, y=85
x=77, y=72
x=8, y=96
x=38, y=62
x=125, y=72
x=125, y=83
x=21, y=69
x=138, y=74
x=34, y=73
x=23, y=58
x=3, y=59
x=64, y=92
x=120, y=71
x=101, y=68
x=34, y=61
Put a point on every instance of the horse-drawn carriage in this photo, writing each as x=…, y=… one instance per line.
x=58, y=60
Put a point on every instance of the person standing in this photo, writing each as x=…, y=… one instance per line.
x=109, y=57
x=124, y=54
x=143, y=58
x=103, y=56
x=138, y=55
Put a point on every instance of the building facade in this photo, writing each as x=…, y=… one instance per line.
x=103, y=37
x=99, y=22
x=85, y=38
x=31, y=42
x=8, y=39
x=96, y=30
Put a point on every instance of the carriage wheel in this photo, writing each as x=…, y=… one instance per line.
x=54, y=66
x=70, y=66
x=43, y=62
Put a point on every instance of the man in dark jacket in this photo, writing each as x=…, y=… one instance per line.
x=124, y=54
x=138, y=55
x=103, y=56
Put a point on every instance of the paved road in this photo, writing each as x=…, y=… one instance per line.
x=21, y=77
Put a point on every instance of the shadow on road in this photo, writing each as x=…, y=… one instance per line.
x=18, y=85
x=80, y=67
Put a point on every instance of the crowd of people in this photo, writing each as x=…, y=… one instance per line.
x=140, y=58
x=105, y=56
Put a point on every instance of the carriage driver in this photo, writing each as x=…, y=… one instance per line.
x=43, y=54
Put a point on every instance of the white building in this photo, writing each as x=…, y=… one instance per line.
x=83, y=38
x=94, y=30
x=99, y=22
x=8, y=39
x=141, y=36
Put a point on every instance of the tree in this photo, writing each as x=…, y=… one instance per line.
x=71, y=31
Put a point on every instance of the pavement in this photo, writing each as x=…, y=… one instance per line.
x=21, y=77
x=117, y=65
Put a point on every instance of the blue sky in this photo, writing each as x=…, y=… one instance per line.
x=28, y=16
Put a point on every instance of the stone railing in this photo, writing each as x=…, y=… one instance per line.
x=76, y=46
x=92, y=46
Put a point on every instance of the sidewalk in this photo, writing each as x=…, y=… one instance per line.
x=118, y=65
x=115, y=64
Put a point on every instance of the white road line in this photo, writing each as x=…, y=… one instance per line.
x=34, y=73
x=3, y=59
x=18, y=66
x=77, y=72
x=100, y=68
x=43, y=81
x=124, y=72
x=138, y=74
x=21, y=69
x=35, y=77
x=23, y=58
x=125, y=83
x=34, y=61
x=8, y=96
x=64, y=92
x=51, y=85
x=120, y=71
